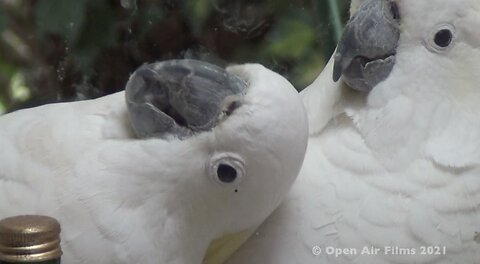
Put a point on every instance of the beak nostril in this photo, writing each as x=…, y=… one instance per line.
x=232, y=107
x=175, y=115
x=394, y=11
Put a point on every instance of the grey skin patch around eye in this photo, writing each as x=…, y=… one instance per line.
x=181, y=97
x=366, y=52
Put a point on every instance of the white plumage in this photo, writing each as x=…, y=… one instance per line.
x=397, y=169
x=121, y=199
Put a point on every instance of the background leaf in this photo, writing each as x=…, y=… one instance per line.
x=3, y=20
x=63, y=17
x=292, y=38
x=64, y=50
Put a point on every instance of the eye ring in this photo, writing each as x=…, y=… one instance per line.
x=441, y=38
x=226, y=169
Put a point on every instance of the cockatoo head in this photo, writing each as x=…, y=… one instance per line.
x=238, y=137
x=435, y=39
x=419, y=61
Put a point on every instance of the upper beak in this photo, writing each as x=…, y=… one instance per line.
x=181, y=97
x=366, y=52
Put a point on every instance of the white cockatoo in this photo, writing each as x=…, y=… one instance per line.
x=188, y=154
x=392, y=171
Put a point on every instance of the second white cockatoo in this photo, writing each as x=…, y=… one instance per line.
x=188, y=154
x=392, y=171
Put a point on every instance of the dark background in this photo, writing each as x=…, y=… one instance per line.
x=65, y=50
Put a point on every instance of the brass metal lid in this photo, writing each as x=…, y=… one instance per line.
x=29, y=238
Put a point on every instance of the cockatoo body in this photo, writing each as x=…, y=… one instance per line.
x=189, y=154
x=392, y=170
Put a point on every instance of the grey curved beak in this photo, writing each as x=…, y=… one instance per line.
x=181, y=97
x=366, y=52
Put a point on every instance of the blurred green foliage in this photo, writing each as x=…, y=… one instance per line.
x=64, y=50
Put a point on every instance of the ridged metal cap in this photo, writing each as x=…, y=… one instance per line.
x=29, y=238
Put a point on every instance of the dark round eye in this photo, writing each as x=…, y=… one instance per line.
x=394, y=10
x=226, y=173
x=443, y=38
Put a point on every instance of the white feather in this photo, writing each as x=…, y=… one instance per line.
x=399, y=168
